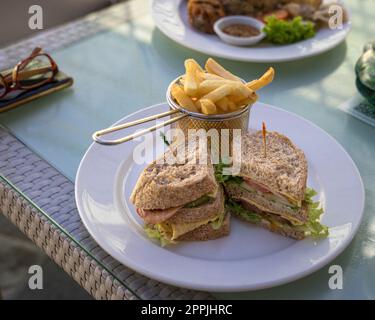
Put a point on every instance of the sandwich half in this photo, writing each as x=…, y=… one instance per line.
x=181, y=202
x=270, y=189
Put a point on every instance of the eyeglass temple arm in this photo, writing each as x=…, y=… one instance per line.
x=96, y=136
x=28, y=73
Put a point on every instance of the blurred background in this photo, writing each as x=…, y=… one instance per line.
x=14, y=15
x=17, y=253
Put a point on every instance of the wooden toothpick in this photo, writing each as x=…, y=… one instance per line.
x=264, y=132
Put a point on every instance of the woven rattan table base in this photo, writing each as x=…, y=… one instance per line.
x=52, y=221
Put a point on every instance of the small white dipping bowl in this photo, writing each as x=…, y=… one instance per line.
x=239, y=41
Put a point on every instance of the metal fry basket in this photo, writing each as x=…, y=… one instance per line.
x=183, y=119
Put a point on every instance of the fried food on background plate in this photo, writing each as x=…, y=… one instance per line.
x=204, y=13
x=251, y=7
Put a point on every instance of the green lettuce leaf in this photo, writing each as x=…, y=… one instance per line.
x=199, y=202
x=224, y=178
x=165, y=140
x=313, y=227
x=154, y=233
x=240, y=211
x=286, y=32
x=216, y=224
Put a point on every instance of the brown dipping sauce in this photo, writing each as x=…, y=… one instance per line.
x=241, y=30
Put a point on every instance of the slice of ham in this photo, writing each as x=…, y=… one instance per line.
x=157, y=216
x=256, y=186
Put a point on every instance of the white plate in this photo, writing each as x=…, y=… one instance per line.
x=171, y=18
x=250, y=257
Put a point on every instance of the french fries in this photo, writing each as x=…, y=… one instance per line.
x=191, y=83
x=207, y=86
x=232, y=106
x=219, y=93
x=215, y=90
x=223, y=104
x=213, y=67
x=183, y=99
x=264, y=80
x=247, y=101
x=208, y=76
x=207, y=106
x=241, y=91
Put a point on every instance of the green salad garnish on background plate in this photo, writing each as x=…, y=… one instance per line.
x=285, y=32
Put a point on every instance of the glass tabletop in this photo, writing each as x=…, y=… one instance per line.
x=129, y=67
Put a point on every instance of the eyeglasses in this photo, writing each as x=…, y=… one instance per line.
x=34, y=71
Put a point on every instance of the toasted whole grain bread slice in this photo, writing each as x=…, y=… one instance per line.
x=207, y=232
x=204, y=212
x=283, y=170
x=174, y=179
x=166, y=186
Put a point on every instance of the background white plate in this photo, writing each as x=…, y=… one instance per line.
x=250, y=257
x=171, y=18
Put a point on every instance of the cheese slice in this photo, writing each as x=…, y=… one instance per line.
x=174, y=231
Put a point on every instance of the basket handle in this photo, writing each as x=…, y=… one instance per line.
x=96, y=136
